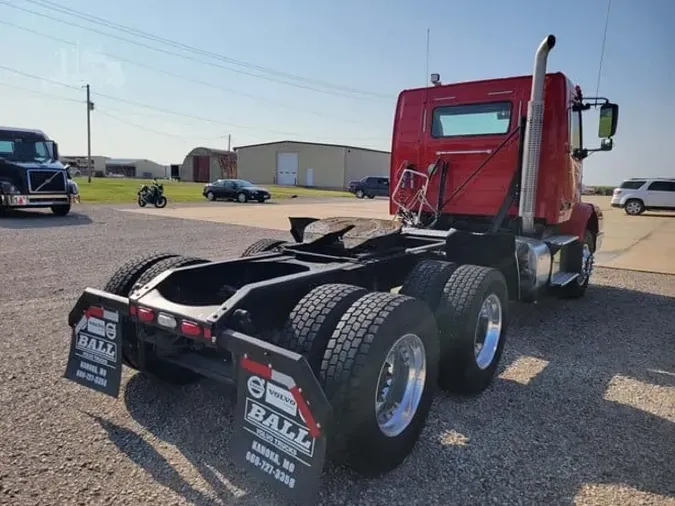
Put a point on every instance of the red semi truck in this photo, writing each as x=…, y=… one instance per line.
x=325, y=357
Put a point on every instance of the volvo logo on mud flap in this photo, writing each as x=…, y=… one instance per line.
x=281, y=398
x=284, y=428
x=256, y=386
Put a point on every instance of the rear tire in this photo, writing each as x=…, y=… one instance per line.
x=263, y=246
x=155, y=366
x=473, y=298
x=165, y=265
x=61, y=210
x=121, y=283
x=353, y=370
x=314, y=318
x=242, y=198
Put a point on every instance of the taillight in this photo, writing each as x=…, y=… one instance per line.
x=145, y=314
x=190, y=328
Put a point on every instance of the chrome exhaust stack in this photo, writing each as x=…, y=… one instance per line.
x=532, y=141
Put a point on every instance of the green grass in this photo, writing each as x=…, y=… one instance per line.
x=115, y=190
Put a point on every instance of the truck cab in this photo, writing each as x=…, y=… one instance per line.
x=31, y=175
x=469, y=139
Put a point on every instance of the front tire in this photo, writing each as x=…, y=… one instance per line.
x=577, y=288
x=359, y=194
x=210, y=196
x=380, y=334
x=161, y=202
x=634, y=207
x=61, y=210
x=263, y=246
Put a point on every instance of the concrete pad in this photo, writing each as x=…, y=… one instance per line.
x=272, y=216
x=642, y=243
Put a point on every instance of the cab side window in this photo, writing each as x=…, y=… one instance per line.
x=575, y=130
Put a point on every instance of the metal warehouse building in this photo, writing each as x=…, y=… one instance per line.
x=132, y=167
x=309, y=164
x=206, y=164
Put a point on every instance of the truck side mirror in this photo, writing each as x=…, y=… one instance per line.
x=609, y=118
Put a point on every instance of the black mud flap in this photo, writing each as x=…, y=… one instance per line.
x=281, y=418
x=95, y=358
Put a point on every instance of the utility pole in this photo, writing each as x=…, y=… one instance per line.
x=90, y=107
x=229, y=141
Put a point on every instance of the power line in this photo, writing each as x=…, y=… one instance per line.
x=149, y=36
x=179, y=76
x=44, y=94
x=172, y=53
x=150, y=107
x=602, y=51
x=141, y=127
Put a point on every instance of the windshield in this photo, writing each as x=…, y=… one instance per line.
x=18, y=149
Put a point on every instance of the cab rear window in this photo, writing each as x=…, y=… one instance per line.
x=632, y=185
x=493, y=118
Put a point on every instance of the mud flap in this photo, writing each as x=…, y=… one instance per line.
x=281, y=418
x=95, y=357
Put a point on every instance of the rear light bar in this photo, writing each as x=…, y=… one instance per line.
x=186, y=327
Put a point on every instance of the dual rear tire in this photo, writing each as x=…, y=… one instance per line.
x=381, y=356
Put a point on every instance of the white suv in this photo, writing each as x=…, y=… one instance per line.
x=638, y=195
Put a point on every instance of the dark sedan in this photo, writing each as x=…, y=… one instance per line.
x=235, y=189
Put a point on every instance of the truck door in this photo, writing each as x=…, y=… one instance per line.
x=464, y=126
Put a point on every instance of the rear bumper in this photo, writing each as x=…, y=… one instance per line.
x=36, y=201
x=282, y=413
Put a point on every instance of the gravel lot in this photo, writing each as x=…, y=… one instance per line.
x=584, y=412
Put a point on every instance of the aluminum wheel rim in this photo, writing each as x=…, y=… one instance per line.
x=586, y=265
x=488, y=331
x=241, y=197
x=633, y=207
x=400, y=385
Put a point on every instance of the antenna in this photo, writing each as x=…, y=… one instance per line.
x=426, y=73
x=602, y=51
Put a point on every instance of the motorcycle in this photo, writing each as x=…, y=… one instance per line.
x=153, y=194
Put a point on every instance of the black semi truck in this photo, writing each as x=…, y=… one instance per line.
x=31, y=175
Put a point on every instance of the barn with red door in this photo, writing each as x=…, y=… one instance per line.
x=204, y=165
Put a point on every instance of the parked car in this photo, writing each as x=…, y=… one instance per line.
x=637, y=195
x=235, y=189
x=371, y=187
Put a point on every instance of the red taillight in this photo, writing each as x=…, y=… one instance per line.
x=95, y=311
x=190, y=328
x=132, y=310
x=207, y=333
x=145, y=314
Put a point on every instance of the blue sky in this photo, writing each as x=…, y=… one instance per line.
x=375, y=47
